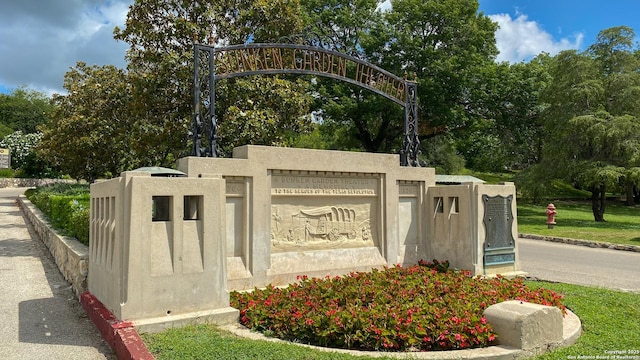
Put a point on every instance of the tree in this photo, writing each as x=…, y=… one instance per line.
x=92, y=134
x=5, y=130
x=352, y=118
x=113, y=120
x=593, y=119
x=446, y=44
x=509, y=132
x=23, y=110
x=161, y=35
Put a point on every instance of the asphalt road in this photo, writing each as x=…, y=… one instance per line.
x=581, y=265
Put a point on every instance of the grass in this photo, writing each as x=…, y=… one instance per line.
x=610, y=321
x=208, y=342
x=575, y=220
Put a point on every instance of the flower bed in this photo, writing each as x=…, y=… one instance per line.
x=419, y=308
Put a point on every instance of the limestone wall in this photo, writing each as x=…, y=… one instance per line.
x=292, y=212
x=20, y=182
x=157, y=249
x=163, y=250
x=475, y=227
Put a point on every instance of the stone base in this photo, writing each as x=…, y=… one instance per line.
x=224, y=316
x=502, y=269
x=526, y=326
x=286, y=267
x=508, y=274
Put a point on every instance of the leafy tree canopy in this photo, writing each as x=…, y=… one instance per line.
x=593, y=117
x=114, y=120
x=23, y=110
x=445, y=44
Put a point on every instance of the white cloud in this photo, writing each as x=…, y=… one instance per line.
x=41, y=40
x=520, y=39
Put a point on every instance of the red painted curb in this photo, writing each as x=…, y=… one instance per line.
x=121, y=336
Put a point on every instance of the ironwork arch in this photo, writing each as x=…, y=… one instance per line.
x=213, y=63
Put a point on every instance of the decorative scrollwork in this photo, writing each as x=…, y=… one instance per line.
x=411, y=142
x=313, y=53
x=324, y=37
x=204, y=129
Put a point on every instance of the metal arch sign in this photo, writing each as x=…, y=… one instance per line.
x=253, y=59
x=273, y=58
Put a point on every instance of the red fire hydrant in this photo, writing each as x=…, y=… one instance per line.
x=551, y=213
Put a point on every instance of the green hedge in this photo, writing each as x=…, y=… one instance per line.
x=66, y=206
x=6, y=173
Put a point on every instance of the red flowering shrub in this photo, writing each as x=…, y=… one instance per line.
x=418, y=308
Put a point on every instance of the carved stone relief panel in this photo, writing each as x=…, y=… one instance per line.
x=315, y=211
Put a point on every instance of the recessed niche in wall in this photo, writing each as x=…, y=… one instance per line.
x=454, y=205
x=192, y=207
x=439, y=204
x=161, y=208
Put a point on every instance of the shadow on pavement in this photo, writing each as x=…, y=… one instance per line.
x=55, y=320
x=45, y=321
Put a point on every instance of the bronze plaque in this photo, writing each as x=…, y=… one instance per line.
x=498, y=221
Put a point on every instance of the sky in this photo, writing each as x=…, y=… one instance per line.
x=41, y=39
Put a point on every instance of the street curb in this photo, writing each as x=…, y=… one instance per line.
x=588, y=243
x=121, y=336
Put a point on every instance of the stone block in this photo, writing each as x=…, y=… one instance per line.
x=524, y=325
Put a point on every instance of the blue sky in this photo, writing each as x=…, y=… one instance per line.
x=531, y=26
x=41, y=40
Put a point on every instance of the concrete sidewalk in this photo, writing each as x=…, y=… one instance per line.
x=40, y=315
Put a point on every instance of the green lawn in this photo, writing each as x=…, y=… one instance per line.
x=208, y=342
x=610, y=321
x=575, y=220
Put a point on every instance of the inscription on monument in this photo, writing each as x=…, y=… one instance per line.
x=319, y=186
x=498, y=221
x=234, y=188
x=233, y=61
x=408, y=190
x=495, y=259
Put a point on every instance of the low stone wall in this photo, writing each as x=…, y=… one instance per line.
x=71, y=256
x=19, y=182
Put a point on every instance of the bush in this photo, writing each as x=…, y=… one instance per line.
x=418, y=308
x=6, y=173
x=66, y=206
x=21, y=145
x=24, y=158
